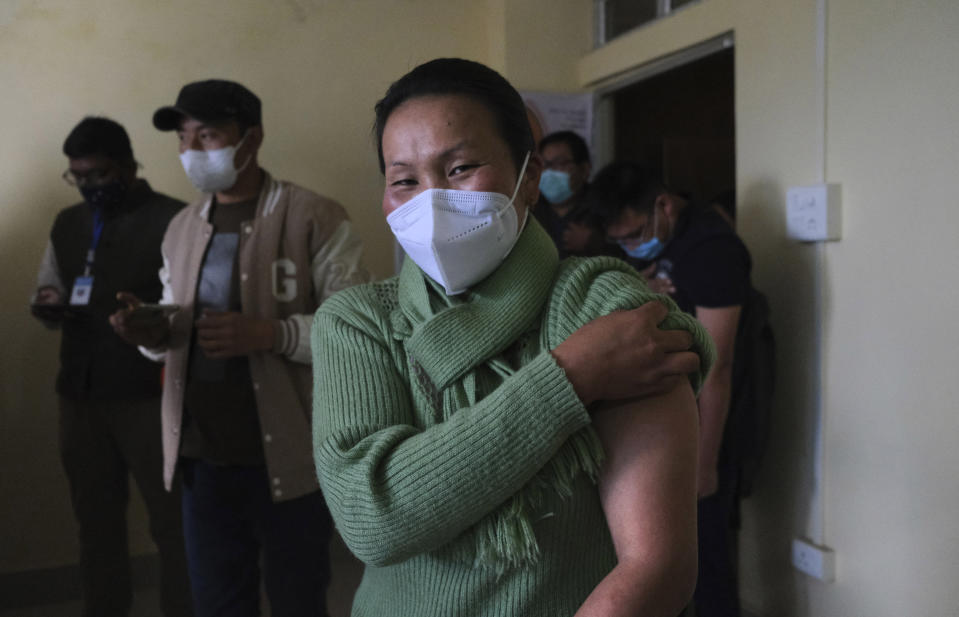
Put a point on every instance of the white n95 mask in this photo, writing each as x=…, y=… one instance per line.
x=458, y=238
x=212, y=170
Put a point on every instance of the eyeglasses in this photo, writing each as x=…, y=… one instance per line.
x=636, y=237
x=640, y=234
x=559, y=163
x=94, y=177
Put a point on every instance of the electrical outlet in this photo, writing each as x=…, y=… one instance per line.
x=816, y=561
x=813, y=213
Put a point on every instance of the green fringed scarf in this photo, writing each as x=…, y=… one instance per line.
x=461, y=343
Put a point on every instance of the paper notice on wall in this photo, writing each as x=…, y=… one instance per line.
x=557, y=111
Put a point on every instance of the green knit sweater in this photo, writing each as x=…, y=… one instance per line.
x=456, y=459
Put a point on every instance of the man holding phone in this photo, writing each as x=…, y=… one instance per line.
x=248, y=263
x=109, y=395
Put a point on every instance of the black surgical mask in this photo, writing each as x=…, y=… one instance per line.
x=107, y=197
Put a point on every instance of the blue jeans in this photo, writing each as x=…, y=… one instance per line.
x=229, y=521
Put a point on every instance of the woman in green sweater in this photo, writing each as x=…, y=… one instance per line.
x=498, y=432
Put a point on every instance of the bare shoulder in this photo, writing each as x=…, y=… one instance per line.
x=632, y=425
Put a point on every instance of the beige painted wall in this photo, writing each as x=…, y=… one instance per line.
x=541, y=41
x=889, y=133
x=318, y=65
x=893, y=294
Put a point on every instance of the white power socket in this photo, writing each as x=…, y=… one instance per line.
x=814, y=213
x=816, y=561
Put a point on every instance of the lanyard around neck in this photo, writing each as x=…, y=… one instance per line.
x=98, y=224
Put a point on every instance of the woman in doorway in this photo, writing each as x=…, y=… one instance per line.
x=498, y=432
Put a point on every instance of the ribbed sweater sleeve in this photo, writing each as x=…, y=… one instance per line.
x=588, y=288
x=397, y=484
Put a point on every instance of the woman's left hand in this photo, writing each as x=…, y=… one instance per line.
x=625, y=355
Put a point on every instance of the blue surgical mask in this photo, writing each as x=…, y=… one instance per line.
x=650, y=249
x=646, y=251
x=554, y=185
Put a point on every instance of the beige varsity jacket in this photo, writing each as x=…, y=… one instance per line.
x=298, y=250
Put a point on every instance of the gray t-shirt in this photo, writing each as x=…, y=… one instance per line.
x=220, y=422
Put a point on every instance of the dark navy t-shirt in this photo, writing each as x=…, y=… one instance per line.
x=707, y=262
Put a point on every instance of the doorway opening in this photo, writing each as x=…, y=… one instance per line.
x=679, y=122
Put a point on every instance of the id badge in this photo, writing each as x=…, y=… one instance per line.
x=82, y=287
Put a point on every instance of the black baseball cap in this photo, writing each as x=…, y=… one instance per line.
x=213, y=101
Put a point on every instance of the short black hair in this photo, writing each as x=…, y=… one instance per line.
x=98, y=135
x=455, y=76
x=577, y=145
x=622, y=185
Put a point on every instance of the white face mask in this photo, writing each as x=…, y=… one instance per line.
x=458, y=237
x=212, y=170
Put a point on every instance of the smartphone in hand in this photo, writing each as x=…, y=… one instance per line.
x=52, y=312
x=148, y=314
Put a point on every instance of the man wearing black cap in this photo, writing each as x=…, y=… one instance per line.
x=109, y=395
x=246, y=265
